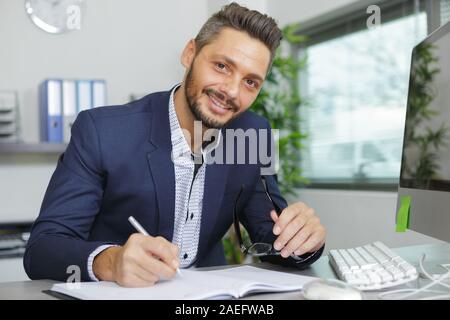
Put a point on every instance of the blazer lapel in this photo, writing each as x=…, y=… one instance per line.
x=215, y=181
x=161, y=165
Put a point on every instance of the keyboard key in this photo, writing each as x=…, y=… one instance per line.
x=337, y=257
x=363, y=278
x=359, y=259
x=377, y=254
x=357, y=280
x=349, y=277
x=366, y=256
x=388, y=252
x=385, y=276
x=345, y=270
x=373, y=277
x=396, y=273
x=349, y=260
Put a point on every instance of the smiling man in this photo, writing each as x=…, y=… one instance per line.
x=144, y=159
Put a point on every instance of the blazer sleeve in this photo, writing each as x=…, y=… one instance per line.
x=59, y=236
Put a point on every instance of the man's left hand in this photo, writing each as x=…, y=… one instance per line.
x=298, y=229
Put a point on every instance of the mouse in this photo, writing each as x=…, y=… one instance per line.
x=330, y=289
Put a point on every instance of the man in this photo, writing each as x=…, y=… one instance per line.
x=144, y=160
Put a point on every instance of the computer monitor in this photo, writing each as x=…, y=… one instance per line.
x=425, y=168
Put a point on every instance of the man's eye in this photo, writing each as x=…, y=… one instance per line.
x=251, y=83
x=220, y=66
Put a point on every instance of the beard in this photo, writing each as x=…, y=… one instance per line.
x=195, y=105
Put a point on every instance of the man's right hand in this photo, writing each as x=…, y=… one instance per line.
x=141, y=262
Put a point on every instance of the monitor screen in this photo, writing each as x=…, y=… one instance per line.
x=425, y=169
x=426, y=149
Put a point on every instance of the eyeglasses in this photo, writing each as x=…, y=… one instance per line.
x=255, y=249
x=260, y=249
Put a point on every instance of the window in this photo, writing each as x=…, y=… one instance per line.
x=445, y=11
x=356, y=84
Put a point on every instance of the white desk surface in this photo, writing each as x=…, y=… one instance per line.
x=437, y=253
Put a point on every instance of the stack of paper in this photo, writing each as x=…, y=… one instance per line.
x=8, y=116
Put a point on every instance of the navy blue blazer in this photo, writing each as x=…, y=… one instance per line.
x=117, y=164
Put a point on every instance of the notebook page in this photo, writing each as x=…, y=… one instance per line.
x=191, y=285
x=262, y=280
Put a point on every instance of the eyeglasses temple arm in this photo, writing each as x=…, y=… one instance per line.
x=237, y=227
x=275, y=206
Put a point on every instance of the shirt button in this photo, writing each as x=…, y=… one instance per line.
x=185, y=256
x=192, y=216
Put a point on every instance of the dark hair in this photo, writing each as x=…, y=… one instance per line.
x=256, y=24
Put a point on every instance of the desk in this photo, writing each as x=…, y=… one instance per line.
x=437, y=253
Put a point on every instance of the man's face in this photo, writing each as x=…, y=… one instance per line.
x=225, y=77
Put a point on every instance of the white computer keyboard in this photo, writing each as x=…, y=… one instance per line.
x=371, y=267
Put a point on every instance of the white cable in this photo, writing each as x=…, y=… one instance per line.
x=435, y=277
x=413, y=292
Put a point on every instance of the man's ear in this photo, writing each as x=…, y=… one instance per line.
x=188, y=54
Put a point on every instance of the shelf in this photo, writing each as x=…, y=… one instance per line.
x=32, y=148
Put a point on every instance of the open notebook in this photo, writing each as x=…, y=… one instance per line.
x=193, y=285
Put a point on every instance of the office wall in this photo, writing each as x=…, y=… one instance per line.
x=354, y=218
x=134, y=45
x=285, y=11
x=260, y=5
x=293, y=11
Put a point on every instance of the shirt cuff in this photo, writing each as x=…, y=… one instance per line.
x=92, y=257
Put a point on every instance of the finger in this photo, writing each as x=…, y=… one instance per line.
x=135, y=260
x=297, y=241
x=290, y=231
x=162, y=249
x=321, y=234
x=144, y=274
x=150, y=265
x=274, y=216
x=288, y=214
x=313, y=243
x=175, y=250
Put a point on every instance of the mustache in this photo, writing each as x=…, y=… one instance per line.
x=222, y=98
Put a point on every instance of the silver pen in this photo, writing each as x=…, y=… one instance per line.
x=141, y=230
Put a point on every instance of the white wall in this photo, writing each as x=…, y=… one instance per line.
x=23, y=181
x=285, y=11
x=292, y=11
x=133, y=44
x=354, y=218
x=216, y=5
